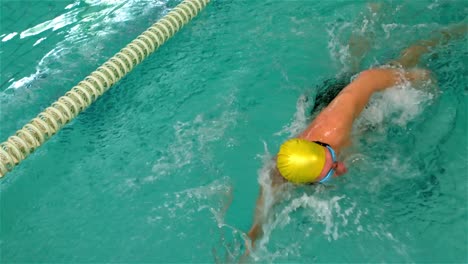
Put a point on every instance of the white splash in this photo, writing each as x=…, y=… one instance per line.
x=398, y=105
x=339, y=52
x=299, y=122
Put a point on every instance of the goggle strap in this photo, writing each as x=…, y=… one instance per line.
x=330, y=173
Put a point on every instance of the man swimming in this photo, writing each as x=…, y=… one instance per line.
x=312, y=157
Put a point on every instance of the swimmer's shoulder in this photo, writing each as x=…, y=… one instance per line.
x=355, y=96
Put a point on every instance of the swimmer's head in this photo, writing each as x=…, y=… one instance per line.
x=301, y=161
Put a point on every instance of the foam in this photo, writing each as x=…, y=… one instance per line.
x=301, y=116
x=397, y=105
x=339, y=52
x=320, y=214
x=328, y=212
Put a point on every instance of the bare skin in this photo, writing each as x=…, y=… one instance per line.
x=333, y=124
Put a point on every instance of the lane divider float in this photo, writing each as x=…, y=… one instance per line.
x=67, y=107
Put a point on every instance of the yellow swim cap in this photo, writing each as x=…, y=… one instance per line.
x=300, y=161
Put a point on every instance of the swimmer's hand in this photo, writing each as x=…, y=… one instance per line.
x=254, y=233
x=340, y=169
x=422, y=79
x=417, y=75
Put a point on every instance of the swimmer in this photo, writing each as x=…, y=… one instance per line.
x=312, y=156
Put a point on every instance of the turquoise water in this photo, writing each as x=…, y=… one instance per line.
x=165, y=166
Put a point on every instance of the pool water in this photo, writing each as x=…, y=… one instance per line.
x=166, y=166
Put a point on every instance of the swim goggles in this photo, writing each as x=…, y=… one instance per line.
x=332, y=170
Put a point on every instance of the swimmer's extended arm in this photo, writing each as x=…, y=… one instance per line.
x=358, y=92
x=262, y=207
x=256, y=230
x=356, y=95
x=334, y=124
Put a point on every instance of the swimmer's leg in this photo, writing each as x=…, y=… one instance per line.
x=411, y=56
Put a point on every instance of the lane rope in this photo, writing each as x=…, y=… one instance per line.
x=67, y=107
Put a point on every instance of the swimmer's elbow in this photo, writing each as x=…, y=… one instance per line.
x=369, y=74
x=378, y=79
